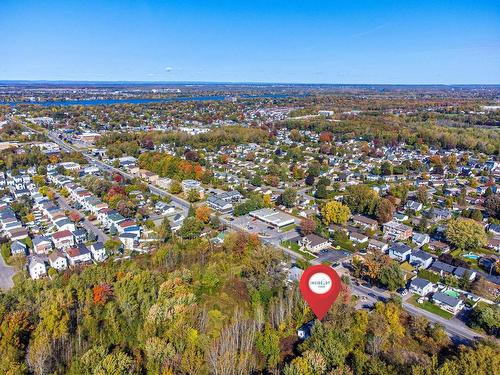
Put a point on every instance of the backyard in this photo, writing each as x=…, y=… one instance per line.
x=430, y=307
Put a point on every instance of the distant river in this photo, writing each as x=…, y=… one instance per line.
x=143, y=101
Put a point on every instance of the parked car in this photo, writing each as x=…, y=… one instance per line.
x=402, y=291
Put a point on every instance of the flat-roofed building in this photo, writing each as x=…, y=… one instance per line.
x=275, y=218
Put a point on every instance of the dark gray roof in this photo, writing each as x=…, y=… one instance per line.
x=420, y=283
x=441, y=266
x=420, y=254
x=39, y=239
x=460, y=271
x=446, y=299
x=400, y=248
x=97, y=245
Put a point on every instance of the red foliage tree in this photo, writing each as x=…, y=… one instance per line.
x=307, y=226
x=102, y=293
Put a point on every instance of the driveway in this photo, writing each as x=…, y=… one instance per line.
x=101, y=236
x=6, y=273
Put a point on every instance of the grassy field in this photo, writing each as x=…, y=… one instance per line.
x=296, y=248
x=429, y=307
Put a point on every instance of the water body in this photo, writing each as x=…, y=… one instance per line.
x=89, y=102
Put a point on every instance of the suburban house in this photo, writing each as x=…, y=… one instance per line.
x=442, y=268
x=98, y=251
x=64, y=224
x=80, y=235
x=176, y=222
x=448, y=303
x=63, y=239
x=314, y=243
x=188, y=185
x=18, y=248
x=37, y=267
x=219, y=204
x=304, y=332
x=421, y=287
x=420, y=259
x=42, y=245
x=358, y=237
x=400, y=252
x=365, y=222
x=413, y=205
x=374, y=244
x=420, y=239
x=438, y=246
x=78, y=254
x=18, y=234
x=464, y=272
x=58, y=261
x=397, y=231
x=128, y=240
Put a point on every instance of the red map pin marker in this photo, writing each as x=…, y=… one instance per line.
x=320, y=286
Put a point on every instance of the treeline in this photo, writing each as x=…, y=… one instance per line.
x=121, y=143
x=171, y=166
x=192, y=308
x=391, y=130
x=217, y=137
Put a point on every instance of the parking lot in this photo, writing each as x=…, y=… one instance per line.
x=333, y=256
x=254, y=225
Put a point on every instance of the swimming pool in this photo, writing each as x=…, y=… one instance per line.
x=471, y=256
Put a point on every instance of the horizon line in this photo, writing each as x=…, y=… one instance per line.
x=64, y=81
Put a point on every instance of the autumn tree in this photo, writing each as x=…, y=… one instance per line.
x=307, y=226
x=203, y=214
x=193, y=196
x=361, y=198
x=102, y=293
x=466, y=234
x=385, y=211
x=335, y=212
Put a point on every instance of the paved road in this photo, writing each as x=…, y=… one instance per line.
x=101, y=236
x=6, y=273
x=454, y=327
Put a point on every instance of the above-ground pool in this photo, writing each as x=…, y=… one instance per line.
x=471, y=256
x=452, y=293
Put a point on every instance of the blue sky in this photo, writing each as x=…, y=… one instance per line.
x=351, y=41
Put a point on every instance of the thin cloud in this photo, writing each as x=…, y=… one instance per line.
x=372, y=30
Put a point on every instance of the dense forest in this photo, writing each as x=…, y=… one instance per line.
x=195, y=308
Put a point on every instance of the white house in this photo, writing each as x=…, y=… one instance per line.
x=420, y=239
x=58, y=261
x=78, y=254
x=37, y=267
x=400, y=252
x=448, y=303
x=63, y=239
x=420, y=259
x=314, y=243
x=421, y=287
x=128, y=240
x=98, y=252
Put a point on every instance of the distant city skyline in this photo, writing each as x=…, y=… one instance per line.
x=316, y=42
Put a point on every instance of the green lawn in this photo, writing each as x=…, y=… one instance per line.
x=429, y=306
x=288, y=228
x=296, y=248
